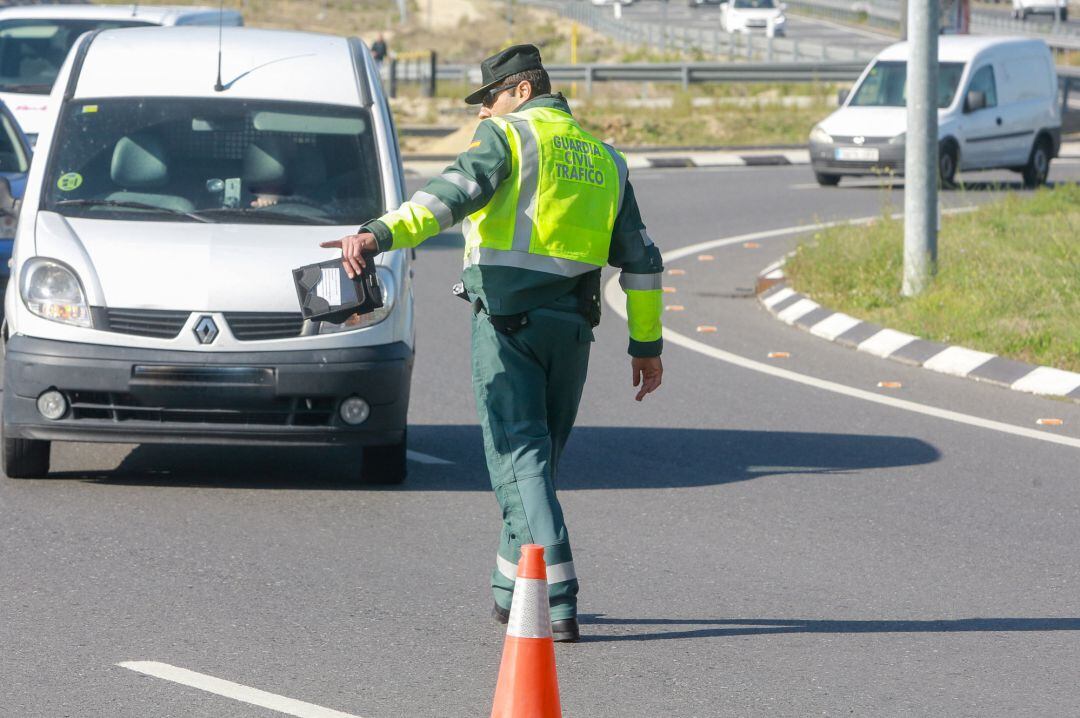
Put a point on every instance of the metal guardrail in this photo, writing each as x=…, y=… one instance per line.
x=685, y=74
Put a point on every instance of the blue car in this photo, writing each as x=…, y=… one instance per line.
x=15, y=156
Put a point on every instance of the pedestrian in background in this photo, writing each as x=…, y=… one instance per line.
x=545, y=205
x=379, y=50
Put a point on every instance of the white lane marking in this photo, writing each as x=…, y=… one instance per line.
x=957, y=361
x=1046, y=380
x=797, y=310
x=773, y=299
x=833, y=326
x=612, y=294
x=426, y=458
x=885, y=342
x=236, y=691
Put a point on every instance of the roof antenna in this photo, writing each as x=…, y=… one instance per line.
x=218, y=87
x=134, y=9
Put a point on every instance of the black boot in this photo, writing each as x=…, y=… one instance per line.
x=500, y=614
x=565, y=631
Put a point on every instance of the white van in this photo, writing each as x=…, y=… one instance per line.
x=152, y=298
x=998, y=107
x=35, y=39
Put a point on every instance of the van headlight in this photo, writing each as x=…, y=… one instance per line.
x=52, y=291
x=360, y=321
x=820, y=136
x=898, y=139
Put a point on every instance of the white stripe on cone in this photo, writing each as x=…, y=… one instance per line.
x=530, y=616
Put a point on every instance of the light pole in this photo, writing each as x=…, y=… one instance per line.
x=921, y=152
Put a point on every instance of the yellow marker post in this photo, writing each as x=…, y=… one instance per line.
x=573, y=54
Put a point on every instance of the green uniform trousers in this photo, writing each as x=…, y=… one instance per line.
x=528, y=386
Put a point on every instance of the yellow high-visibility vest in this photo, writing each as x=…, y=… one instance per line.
x=556, y=210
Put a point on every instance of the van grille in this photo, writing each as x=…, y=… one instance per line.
x=257, y=326
x=166, y=324
x=157, y=323
x=850, y=140
x=209, y=409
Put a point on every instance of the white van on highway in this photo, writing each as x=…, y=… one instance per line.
x=997, y=108
x=152, y=298
x=35, y=39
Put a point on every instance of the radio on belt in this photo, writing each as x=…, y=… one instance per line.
x=328, y=295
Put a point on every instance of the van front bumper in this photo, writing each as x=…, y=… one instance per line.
x=890, y=160
x=123, y=395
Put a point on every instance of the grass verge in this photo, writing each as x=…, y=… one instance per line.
x=1007, y=280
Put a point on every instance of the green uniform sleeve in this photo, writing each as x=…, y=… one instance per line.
x=464, y=187
x=633, y=252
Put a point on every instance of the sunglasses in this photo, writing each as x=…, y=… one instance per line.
x=489, y=98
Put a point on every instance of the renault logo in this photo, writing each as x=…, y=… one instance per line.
x=206, y=330
x=858, y=139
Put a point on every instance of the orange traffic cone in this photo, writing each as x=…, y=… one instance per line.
x=528, y=684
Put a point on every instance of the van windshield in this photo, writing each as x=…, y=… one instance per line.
x=886, y=84
x=216, y=160
x=32, y=50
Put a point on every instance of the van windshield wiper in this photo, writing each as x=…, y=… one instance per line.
x=30, y=89
x=124, y=204
x=267, y=214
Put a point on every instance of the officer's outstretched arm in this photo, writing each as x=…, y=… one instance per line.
x=464, y=187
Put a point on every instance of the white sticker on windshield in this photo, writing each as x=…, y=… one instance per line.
x=329, y=287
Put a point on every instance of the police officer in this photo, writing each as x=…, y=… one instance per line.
x=544, y=206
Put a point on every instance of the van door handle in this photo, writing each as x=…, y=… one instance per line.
x=999, y=121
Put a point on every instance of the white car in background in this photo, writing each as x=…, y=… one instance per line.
x=35, y=39
x=753, y=16
x=1023, y=8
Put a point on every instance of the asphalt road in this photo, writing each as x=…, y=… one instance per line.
x=804, y=29
x=1041, y=21
x=748, y=545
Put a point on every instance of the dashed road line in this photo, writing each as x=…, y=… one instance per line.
x=612, y=296
x=235, y=691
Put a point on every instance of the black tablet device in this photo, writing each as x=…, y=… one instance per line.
x=327, y=294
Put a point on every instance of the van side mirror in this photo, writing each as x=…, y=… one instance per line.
x=974, y=101
x=7, y=200
x=841, y=96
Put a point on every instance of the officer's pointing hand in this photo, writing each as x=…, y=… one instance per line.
x=353, y=248
x=648, y=371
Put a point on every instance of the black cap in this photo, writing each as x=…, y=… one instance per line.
x=498, y=67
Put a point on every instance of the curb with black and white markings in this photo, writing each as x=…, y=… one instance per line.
x=424, y=165
x=800, y=311
x=718, y=159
